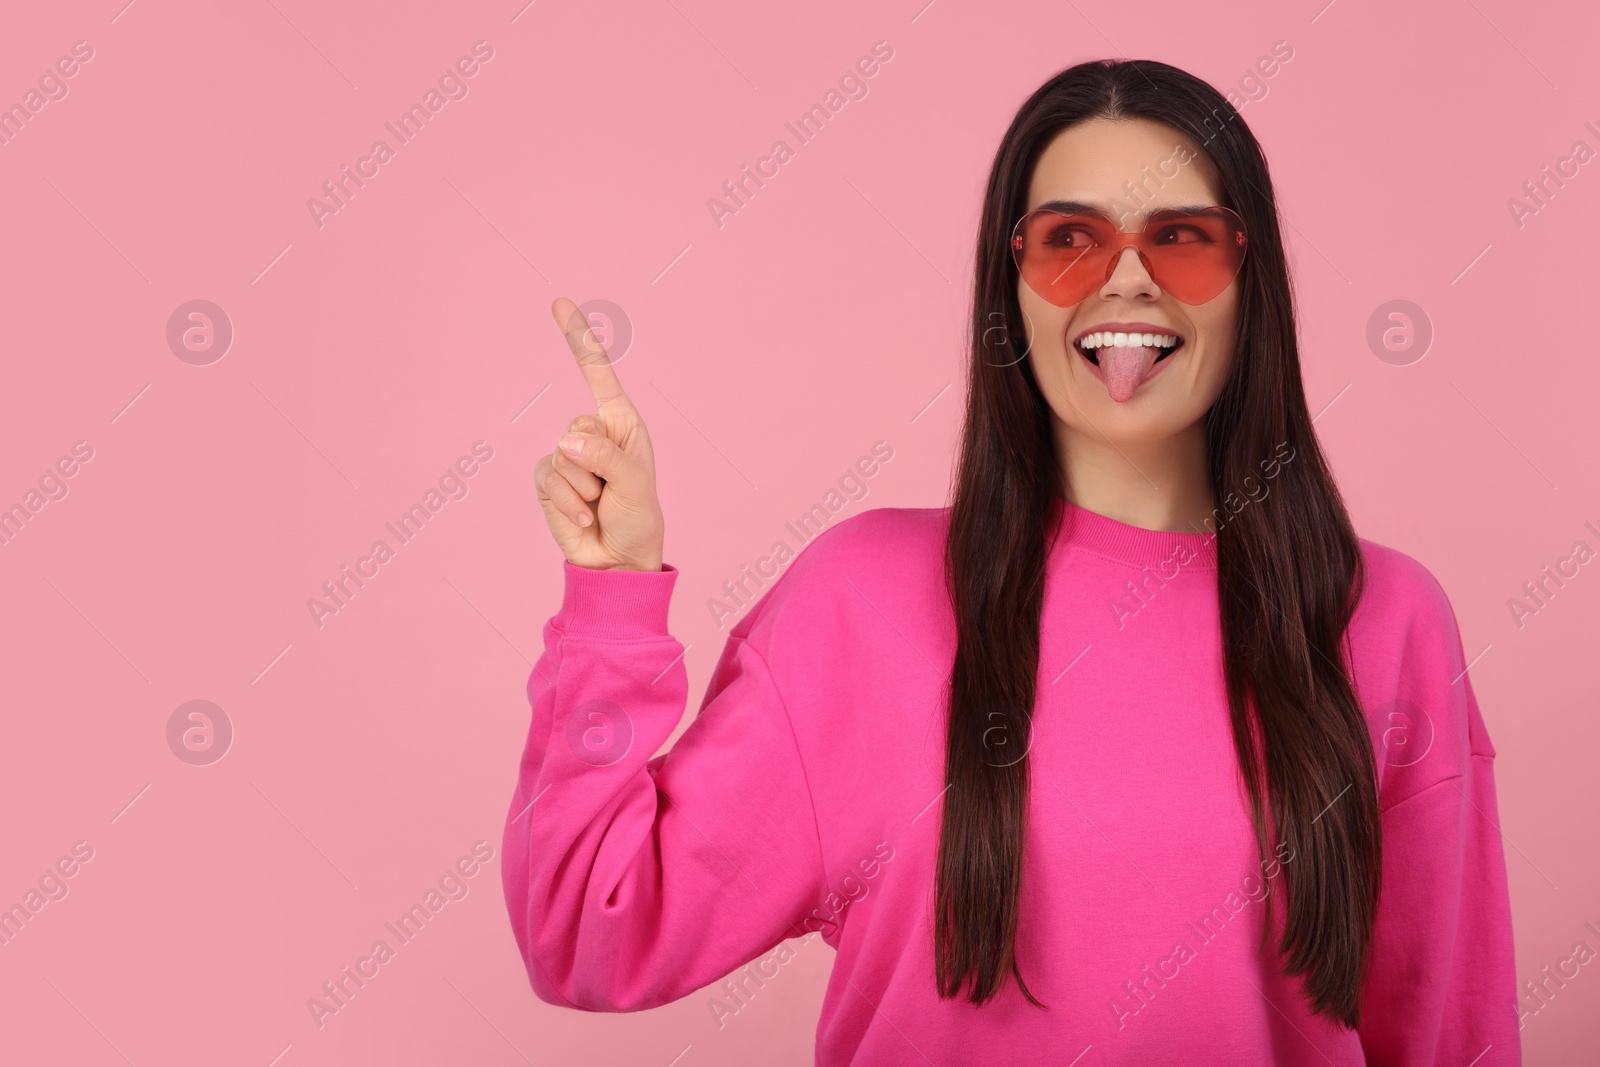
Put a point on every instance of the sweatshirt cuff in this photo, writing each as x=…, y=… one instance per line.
x=616, y=605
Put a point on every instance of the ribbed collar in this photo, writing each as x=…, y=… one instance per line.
x=1133, y=545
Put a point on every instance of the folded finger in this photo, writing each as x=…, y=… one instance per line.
x=599, y=455
x=587, y=485
x=562, y=496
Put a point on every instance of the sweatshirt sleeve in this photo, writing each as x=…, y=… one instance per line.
x=1442, y=989
x=1442, y=984
x=633, y=881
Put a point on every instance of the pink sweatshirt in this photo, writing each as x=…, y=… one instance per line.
x=805, y=798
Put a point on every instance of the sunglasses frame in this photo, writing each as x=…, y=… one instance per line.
x=1124, y=239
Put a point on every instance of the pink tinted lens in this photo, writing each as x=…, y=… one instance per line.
x=1064, y=258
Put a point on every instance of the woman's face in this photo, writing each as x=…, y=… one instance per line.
x=1092, y=162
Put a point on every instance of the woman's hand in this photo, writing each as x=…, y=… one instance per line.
x=601, y=501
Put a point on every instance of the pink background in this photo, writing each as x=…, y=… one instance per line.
x=768, y=355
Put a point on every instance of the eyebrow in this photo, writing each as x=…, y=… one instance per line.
x=1069, y=207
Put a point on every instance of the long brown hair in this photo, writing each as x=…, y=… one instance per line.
x=1288, y=577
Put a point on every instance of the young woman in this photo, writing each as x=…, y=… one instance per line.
x=1134, y=754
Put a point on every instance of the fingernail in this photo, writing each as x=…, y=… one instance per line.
x=584, y=519
x=571, y=443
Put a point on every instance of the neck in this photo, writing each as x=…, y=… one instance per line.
x=1156, y=484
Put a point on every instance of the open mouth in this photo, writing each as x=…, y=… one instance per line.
x=1164, y=343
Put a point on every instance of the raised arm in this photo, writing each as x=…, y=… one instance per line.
x=633, y=881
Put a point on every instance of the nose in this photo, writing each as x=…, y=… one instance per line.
x=1129, y=278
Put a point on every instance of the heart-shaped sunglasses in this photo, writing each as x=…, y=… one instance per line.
x=1064, y=256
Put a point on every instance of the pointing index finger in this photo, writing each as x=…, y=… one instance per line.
x=591, y=355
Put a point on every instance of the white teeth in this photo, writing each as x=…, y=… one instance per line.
x=1103, y=338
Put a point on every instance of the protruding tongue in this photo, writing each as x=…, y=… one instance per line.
x=1125, y=368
